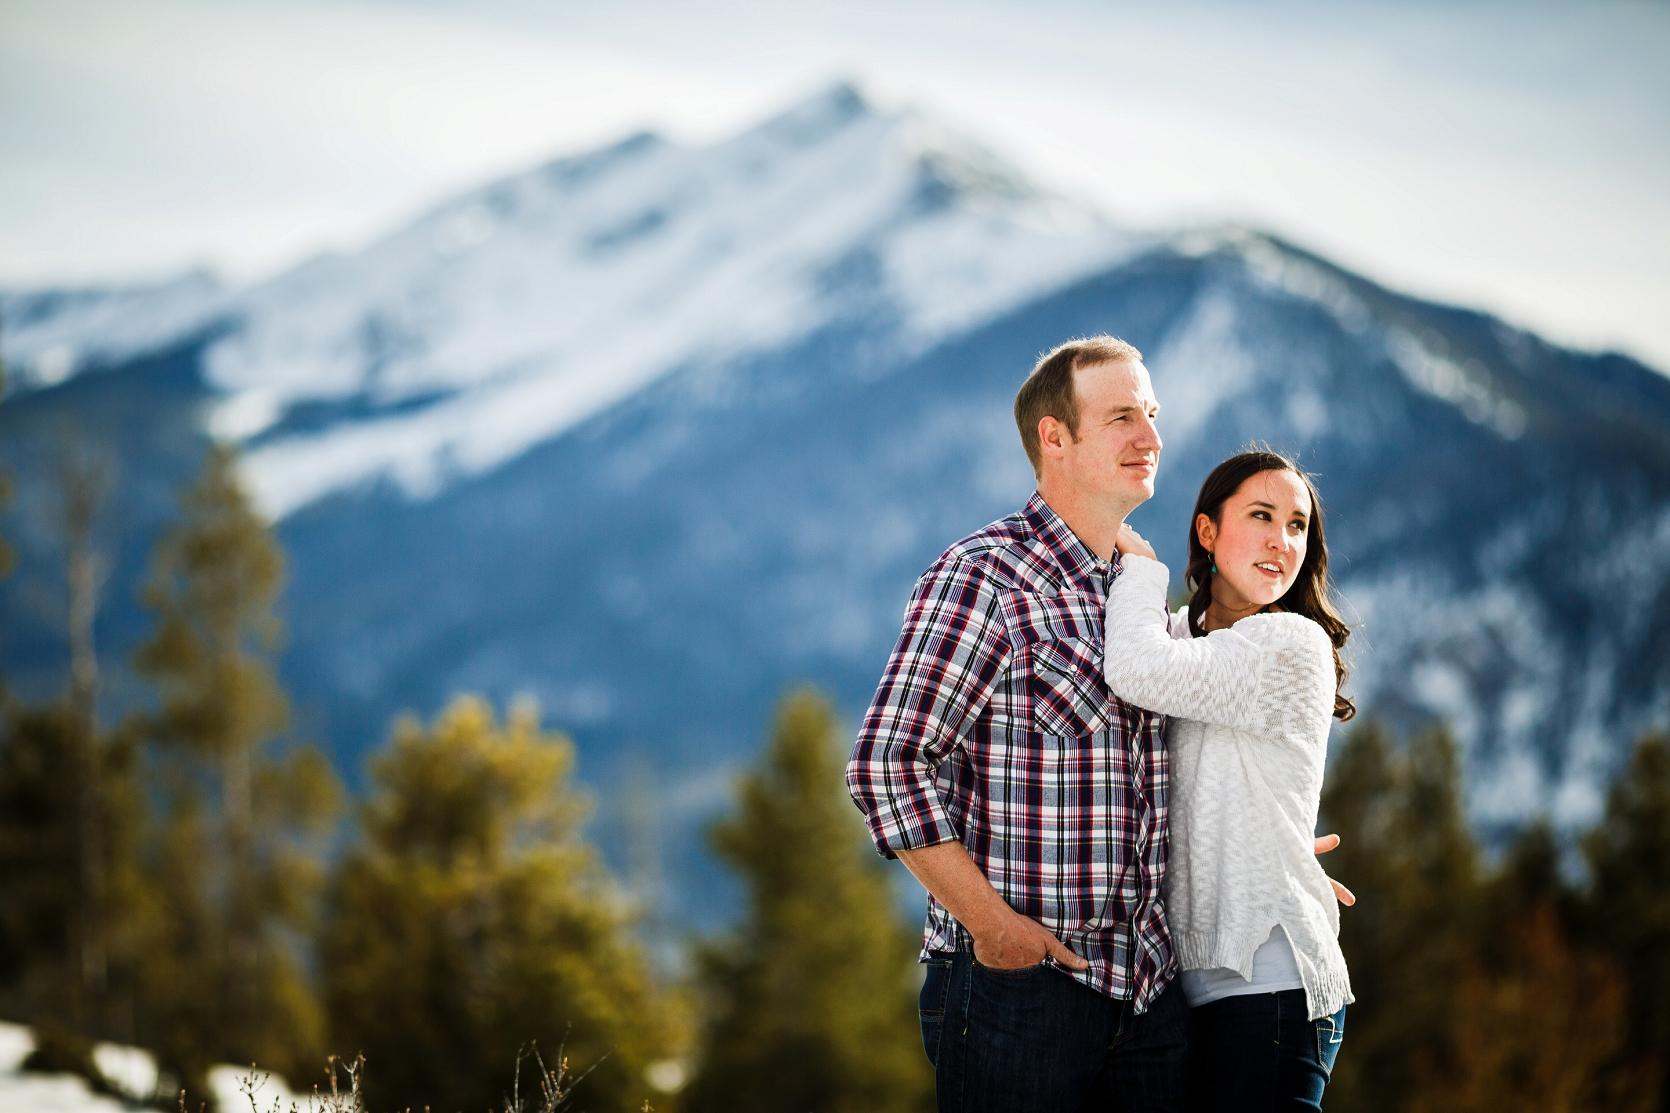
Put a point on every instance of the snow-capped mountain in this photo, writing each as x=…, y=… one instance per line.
x=653, y=433
x=519, y=310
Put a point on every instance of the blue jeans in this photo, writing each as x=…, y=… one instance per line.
x=1017, y=1041
x=1259, y=1053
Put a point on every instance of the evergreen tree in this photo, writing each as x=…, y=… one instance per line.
x=1629, y=899
x=1527, y=880
x=813, y=998
x=1530, y=984
x=1408, y=854
x=37, y=855
x=470, y=919
x=41, y=930
x=230, y=861
x=66, y=827
x=1539, y=1024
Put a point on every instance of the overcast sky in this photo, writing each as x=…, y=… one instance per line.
x=1510, y=156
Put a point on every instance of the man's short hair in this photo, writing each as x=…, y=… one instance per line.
x=1048, y=391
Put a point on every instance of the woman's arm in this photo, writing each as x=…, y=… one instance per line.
x=1271, y=674
x=1186, y=678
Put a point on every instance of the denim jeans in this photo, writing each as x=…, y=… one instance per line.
x=1018, y=1041
x=1259, y=1053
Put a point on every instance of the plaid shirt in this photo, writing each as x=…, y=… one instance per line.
x=993, y=726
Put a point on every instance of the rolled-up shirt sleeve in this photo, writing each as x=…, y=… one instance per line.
x=953, y=648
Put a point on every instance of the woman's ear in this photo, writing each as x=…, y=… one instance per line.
x=1207, y=530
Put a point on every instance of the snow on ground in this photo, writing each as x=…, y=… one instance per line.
x=130, y=1070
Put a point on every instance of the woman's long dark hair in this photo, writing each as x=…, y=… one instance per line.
x=1311, y=595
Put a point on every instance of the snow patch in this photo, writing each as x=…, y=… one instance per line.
x=133, y=1071
x=50, y=336
x=243, y=415
x=1201, y=365
x=1468, y=656
x=1302, y=278
x=1280, y=269
x=1466, y=385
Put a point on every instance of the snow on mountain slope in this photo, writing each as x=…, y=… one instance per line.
x=52, y=335
x=512, y=313
x=517, y=311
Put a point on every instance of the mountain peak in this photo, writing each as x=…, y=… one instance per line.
x=574, y=168
x=815, y=119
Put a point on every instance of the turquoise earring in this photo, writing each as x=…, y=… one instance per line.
x=1214, y=568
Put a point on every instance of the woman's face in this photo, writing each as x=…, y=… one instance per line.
x=1259, y=541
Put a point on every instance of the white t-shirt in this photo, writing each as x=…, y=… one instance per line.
x=1273, y=971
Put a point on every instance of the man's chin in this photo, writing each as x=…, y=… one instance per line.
x=1140, y=491
x=1127, y=491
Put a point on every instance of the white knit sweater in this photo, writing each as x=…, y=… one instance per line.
x=1250, y=709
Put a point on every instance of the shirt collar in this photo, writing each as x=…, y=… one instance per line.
x=1083, y=568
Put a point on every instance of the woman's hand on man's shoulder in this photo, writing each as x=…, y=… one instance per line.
x=1130, y=542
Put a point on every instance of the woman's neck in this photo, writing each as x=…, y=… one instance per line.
x=1218, y=616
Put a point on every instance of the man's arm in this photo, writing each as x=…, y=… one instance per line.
x=938, y=680
x=1003, y=938
x=952, y=650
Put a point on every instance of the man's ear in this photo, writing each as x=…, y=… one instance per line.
x=1207, y=530
x=1052, y=436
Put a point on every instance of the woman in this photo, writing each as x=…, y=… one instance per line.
x=1250, y=675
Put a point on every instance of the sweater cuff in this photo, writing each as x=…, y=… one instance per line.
x=1145, y=571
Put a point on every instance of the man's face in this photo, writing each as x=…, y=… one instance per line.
x=1117, y=451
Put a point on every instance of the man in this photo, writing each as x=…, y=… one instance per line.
x=1029, y=802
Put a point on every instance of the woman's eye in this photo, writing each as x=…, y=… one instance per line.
x=1261, y=515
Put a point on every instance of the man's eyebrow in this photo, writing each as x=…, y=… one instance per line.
x=1129, y=409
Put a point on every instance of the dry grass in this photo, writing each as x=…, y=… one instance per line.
x=347, y=1092
x=556, y=1089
